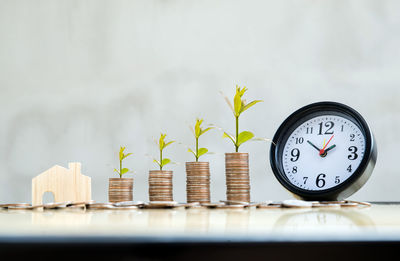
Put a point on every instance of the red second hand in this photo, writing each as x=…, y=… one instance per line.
x=323, y=149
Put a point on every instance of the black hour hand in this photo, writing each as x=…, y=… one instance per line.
x=331, y=147
x=309, y=142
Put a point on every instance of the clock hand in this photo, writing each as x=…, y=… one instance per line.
x=331, y=147
x=323, y=149
x=309, y=142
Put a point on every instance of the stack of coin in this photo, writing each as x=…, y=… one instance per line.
x=198, y=182
x=237, y=177
x=160, y=185
x=120, y=189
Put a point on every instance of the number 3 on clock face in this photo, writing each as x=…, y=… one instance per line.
x=323, y=152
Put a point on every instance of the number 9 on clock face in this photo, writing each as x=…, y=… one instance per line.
x=324, y=151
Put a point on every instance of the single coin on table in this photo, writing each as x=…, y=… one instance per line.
x=129, y=204
x=14, y=205
x=252, y=205
x=56, y=205
x=20, y=208
x=80, y=203
x=125, y=208
x=100, y=206
x=360, y=203
x=38, y=206
x=212, y=205
x=231, y=206
x=161, y=204
x=234, y=202
x=76, y=207
x=294, y=203
x=269, y=206
x=190, y=205
x=325, y=205
x=330, y=202
x=349, y=205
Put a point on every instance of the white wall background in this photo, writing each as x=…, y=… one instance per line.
x=80, y=78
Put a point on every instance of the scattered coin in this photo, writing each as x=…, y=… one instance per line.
x=77, y=207
x=125, y=208
x=232, y=202
x=230, y=206
x=80, y=203
x=191, y=205
x=325, y=205
x=331, y=202
x=14, y=205
x=20, y=207
x=252, y=205
x=37, y=206
x=269, y=206
x=367, y=204
x=294, y=203
x=349, y=205
x=100, y=206
x=56, y=205
x=161, y=204
x=212, y=205
x=129, y=204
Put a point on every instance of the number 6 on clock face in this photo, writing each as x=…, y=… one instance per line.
x=323, y=151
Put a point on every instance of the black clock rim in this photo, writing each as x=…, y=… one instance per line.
x=331, y=193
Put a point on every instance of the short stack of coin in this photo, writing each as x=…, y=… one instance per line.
x=198, y=182
x=160, y=185
x=120, y=189
x=237, y=177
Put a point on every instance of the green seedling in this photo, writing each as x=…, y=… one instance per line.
x=198, y=131
x=162, y=144
x=239, y=106
x=122, y=156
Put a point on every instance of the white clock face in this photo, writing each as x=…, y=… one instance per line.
x=323, y=152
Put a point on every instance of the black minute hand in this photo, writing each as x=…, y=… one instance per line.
x=309, y=142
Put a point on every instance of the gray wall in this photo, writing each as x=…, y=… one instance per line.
x=80, y=78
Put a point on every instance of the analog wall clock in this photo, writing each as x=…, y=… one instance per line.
x=323, y=151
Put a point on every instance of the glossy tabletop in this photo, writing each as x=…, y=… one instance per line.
x=380, y=222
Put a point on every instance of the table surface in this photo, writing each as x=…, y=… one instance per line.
x=380, y=222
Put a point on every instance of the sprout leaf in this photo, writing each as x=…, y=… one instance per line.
x=244, y=136
x=165, y=161
x=245, y=107
x=190, y=150
x=124, y=170
x=202, y=151
x=227, y=135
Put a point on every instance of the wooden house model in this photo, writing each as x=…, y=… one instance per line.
x=65, y=184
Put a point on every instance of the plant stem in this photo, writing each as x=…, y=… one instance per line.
x=197, y=149
x=161, y=160
x=237, y=134
x=120, y=169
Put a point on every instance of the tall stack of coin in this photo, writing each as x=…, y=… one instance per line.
x=160, y=185
x=198, y=182
x=237, y=177
x=120, y=189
